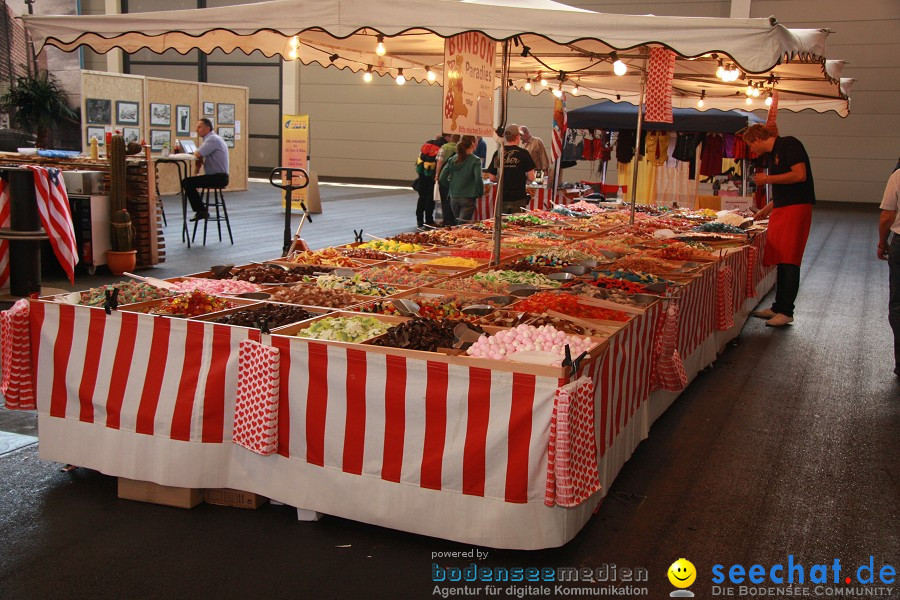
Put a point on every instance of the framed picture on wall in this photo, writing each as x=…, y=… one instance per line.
x=209, y=109
x=98, y=111
x=131, y=134
x=225, y=114
x=159, y=138
x=97, y=132
x=127, y=112
x=182, y=119
x=160, y=114
x=227, y=134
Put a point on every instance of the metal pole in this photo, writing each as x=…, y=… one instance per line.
x=637, y=141
x=498, y=200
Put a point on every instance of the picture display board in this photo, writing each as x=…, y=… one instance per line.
x=127, y=102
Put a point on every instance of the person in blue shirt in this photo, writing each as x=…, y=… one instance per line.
x=212, y=155
x=481, y=150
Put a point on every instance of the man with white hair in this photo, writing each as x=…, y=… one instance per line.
x=535, y=147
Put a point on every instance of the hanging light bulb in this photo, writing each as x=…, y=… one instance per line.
x=543, y=81
x=757, y=91
x=380, y=50
x=769, y=100
x=430, y=74
x=527, y=85
x=749, y=90
x=400, y=77
x=749, y=100
x=558, y=93
x=702, y=96
x=367, y=76
x=619, y=68
x=720, y=70
x=734, y=73
x=575, y=90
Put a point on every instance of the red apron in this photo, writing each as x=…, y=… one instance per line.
x=788, y=231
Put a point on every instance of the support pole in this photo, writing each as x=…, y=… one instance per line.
x=637, y=141
x=498, y=201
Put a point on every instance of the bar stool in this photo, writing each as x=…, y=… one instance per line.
x=218, y=202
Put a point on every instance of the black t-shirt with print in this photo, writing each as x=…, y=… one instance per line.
x=516, y=164
x=786, y=152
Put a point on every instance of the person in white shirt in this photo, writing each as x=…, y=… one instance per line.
x=889, y=223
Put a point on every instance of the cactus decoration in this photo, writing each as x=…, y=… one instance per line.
x=122, y=233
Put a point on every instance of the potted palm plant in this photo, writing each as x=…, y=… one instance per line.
x=38, y=104
x=122, y=257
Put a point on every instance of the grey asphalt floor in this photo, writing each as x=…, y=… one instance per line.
x=787, y=446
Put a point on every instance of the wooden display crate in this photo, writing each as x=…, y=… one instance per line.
x=154, y=493
x=235, y=498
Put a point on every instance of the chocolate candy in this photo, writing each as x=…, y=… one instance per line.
x=312, y=296
x=274, y=315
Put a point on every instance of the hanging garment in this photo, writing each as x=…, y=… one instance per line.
x=671, y=162
x=741, y=149
x=660, y=73
x=625, y=145
x=657, y=144
x=728, y=145
x=711, y=155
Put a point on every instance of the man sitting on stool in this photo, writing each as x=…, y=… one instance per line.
x=213, y=157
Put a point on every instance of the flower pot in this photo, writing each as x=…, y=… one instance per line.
x=119, y=262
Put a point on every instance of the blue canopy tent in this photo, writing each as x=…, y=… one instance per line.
x=618, y=116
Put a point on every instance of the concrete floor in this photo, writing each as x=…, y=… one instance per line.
x=787, y=446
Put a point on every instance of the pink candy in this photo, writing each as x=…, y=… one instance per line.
x=216, y=286
x=525, y=338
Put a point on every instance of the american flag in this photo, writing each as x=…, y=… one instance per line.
x=56, y=217
x=560, y=125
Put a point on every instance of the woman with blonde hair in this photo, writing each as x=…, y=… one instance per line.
x=463, y=175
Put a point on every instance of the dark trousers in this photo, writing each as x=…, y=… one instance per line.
x=425, y=205
x=786, y=287
x=894, y=301
x=192, y=184
x=446, y=206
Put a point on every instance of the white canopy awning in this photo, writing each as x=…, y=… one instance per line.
x=561, y=41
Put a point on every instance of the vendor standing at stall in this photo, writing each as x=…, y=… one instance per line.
x=789, y=212
x=518, y=170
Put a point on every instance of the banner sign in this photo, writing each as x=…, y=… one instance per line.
x=294, y=152
x=469, y=83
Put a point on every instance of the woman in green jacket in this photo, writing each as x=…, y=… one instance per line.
x=463, y=173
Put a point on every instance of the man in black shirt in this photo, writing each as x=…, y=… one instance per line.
x=789, y=212
x=518, y=170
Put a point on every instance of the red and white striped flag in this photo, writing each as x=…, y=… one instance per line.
x=560, y=125
x=4, y=222
x=772, y=115
x=56, y=217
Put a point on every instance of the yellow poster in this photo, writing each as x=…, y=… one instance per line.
x=469, y=82
x=294, y=152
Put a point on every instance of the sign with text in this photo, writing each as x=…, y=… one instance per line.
x=294, y=152
x=469, y=83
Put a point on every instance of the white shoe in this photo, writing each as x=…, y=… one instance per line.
x=779, y=320
x=764, y=314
